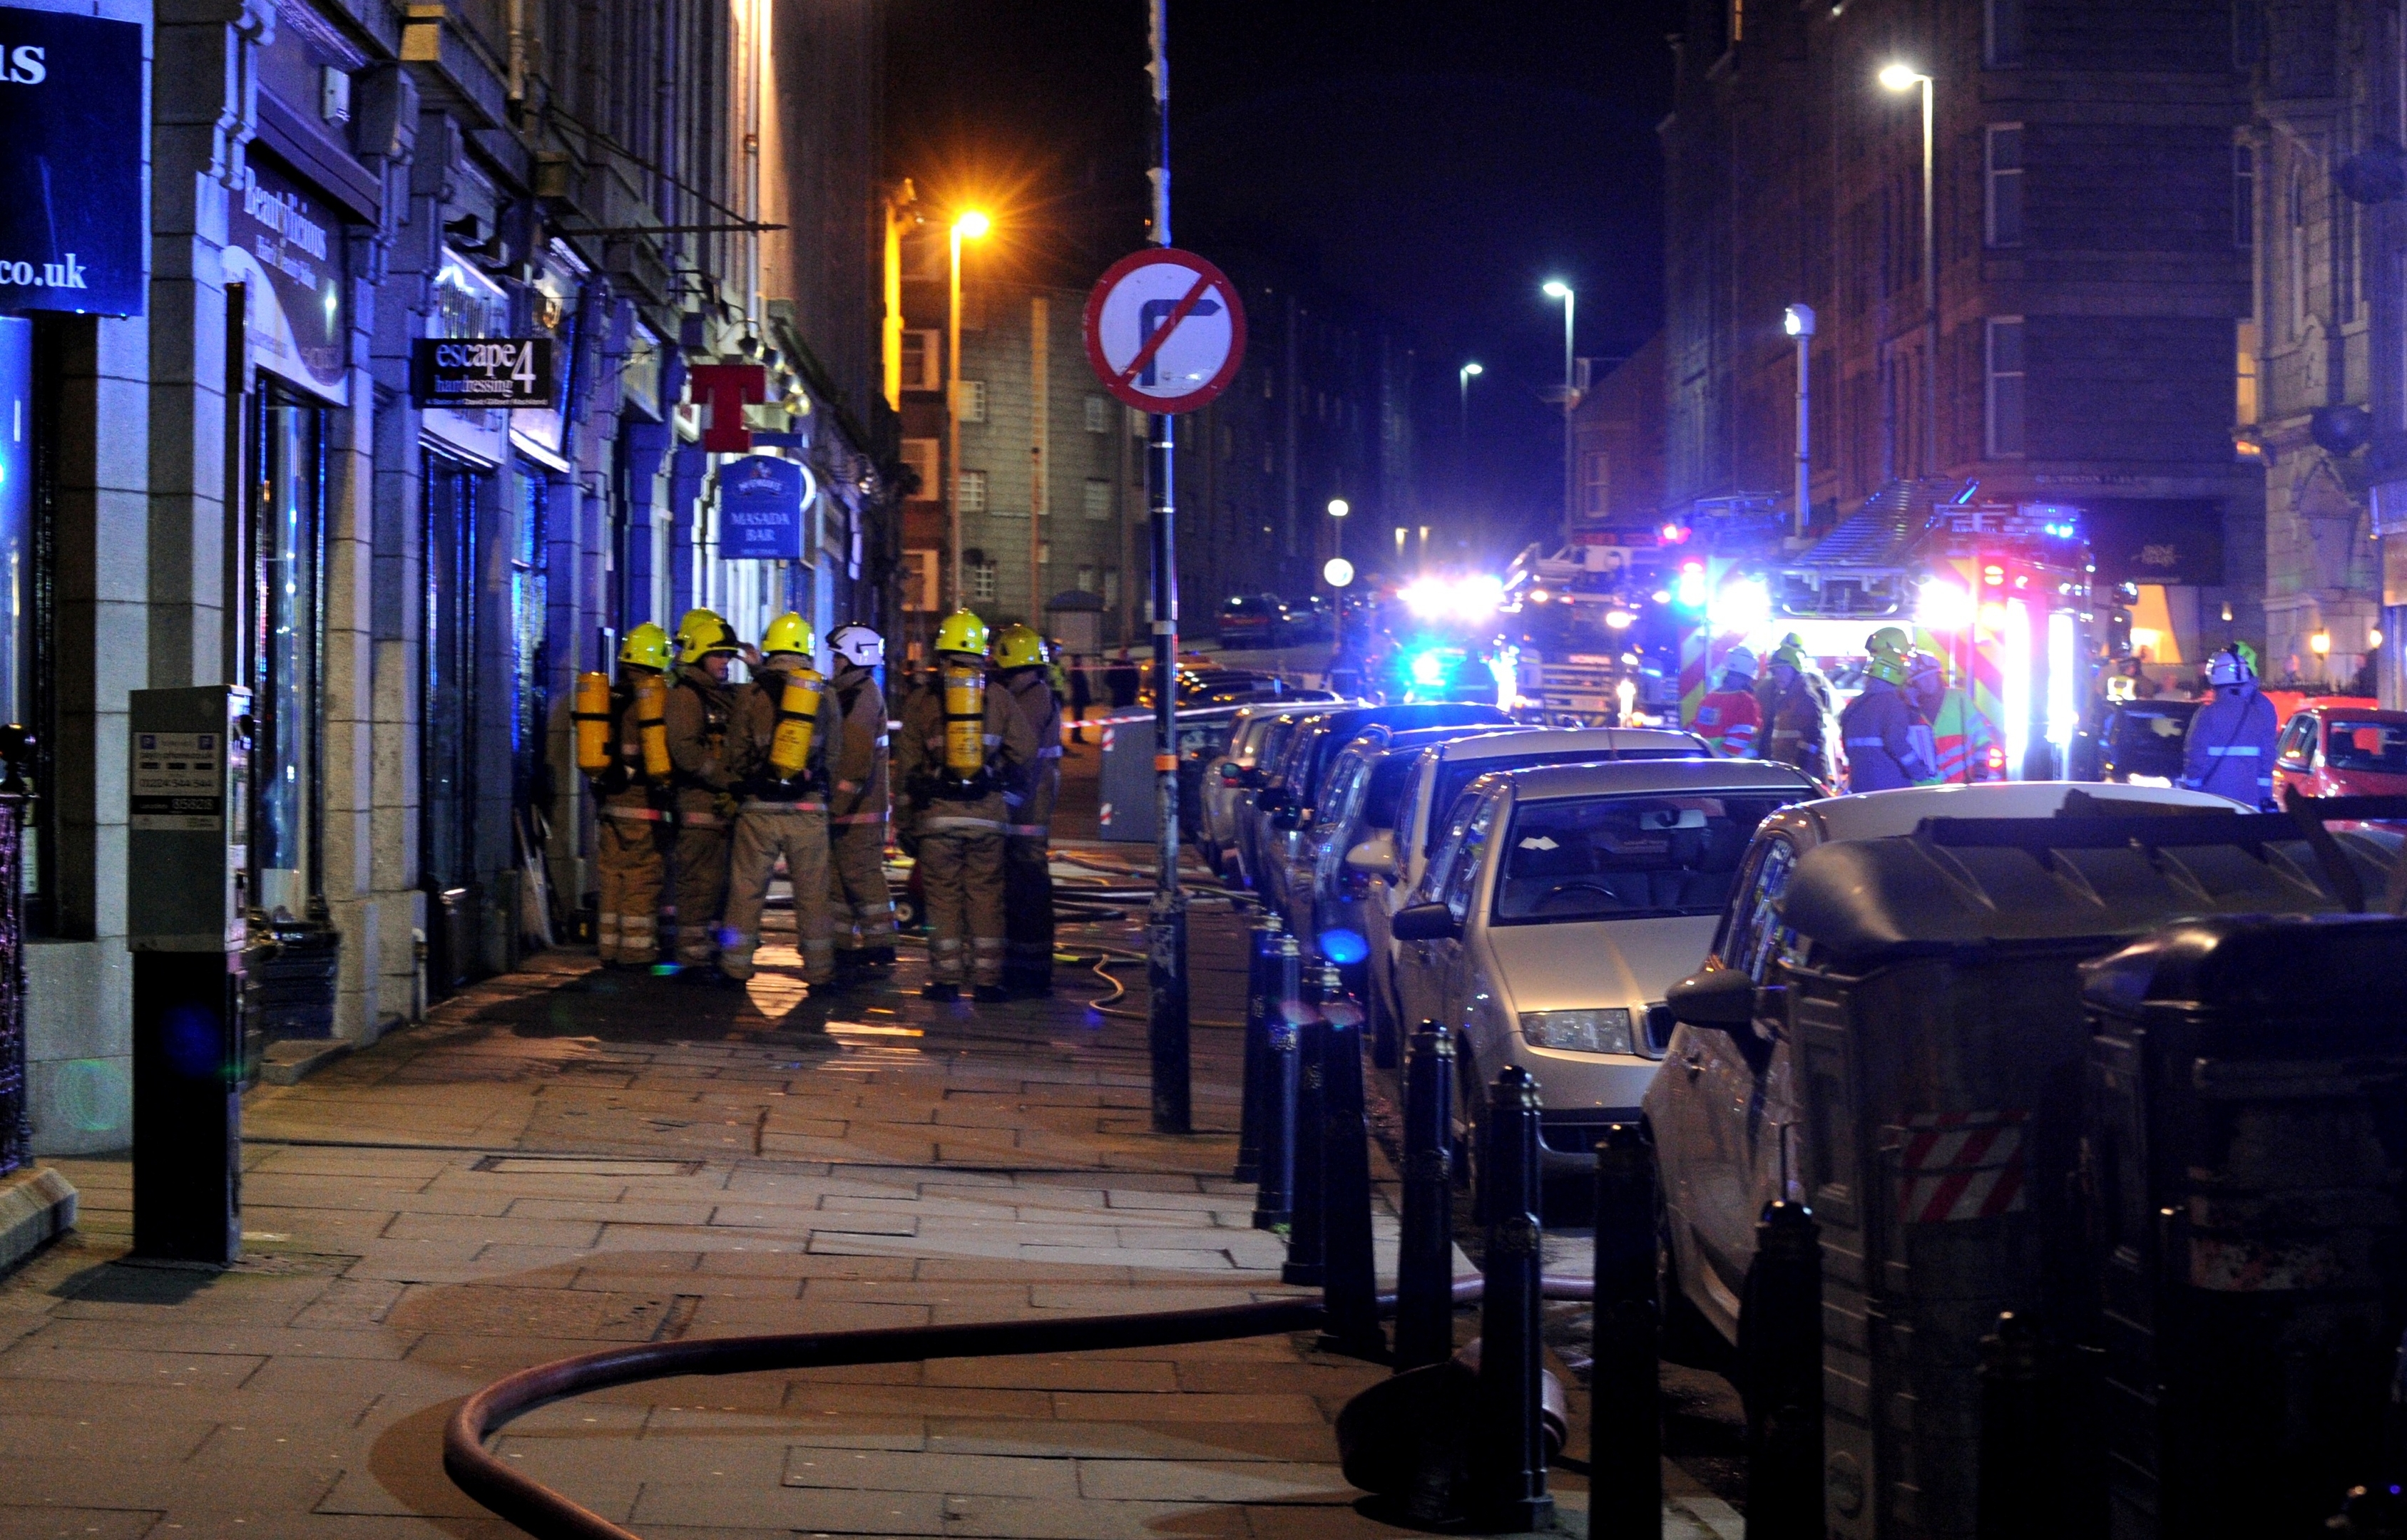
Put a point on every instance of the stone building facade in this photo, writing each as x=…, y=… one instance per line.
x=236, y=483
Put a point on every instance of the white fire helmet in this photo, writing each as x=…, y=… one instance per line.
x=857, y=645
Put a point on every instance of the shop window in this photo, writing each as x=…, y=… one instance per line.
x=529, y=657
x=456, y=497
x=286, y=558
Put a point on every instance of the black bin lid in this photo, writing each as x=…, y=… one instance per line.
x=2343, y=975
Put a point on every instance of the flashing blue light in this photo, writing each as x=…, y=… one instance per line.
x=1692, y=587
x=1344, y=947
x=2058, y=532
x=1428, y=669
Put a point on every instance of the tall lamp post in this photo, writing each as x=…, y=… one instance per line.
x=971, y=225
x=1555, y=288
x=1338, y=509
x=1462, y=436
x=1799, y=322
x=1901, y=77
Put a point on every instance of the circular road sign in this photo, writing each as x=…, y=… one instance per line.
x=1165, y=331
x=1338, y=572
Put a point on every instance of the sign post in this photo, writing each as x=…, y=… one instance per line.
x=1165, y=333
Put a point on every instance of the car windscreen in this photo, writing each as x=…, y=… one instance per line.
x=1453, y=777
x=2354, y=744
x=1626, y=857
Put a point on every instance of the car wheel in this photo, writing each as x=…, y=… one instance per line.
x=1689, y=1338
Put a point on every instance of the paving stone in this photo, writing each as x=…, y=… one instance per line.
x=886, y=1470
x=1025, y=1520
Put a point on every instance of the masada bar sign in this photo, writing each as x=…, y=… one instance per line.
x=761, y=505
x=72, y=211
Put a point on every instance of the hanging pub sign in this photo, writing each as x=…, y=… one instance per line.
x=760, y=505
x=284, y=245
x=483, y=371
x=71, y=155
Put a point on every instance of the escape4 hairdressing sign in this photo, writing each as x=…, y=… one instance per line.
x=72, y=210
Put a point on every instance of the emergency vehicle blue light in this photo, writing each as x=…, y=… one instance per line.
x=1428, y=669
x=1344, y=947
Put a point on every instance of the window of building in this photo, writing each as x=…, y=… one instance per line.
x=1086, y=580
x=1098, y=415
x=979, y=577
x=2005, y=184
x=972, y=492
x=1096, y=502
x=2004, y=403
x=1596, y=483
x=287, y=558
x=922, y=359
x=919, y=459
x=2002, y=33
x=972, y=400
x=2294, y=276
x=1111, y=587
x=2243, y=196
x=2245, y=401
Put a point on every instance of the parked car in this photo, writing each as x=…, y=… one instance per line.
x=1562, y=903
x=1246, y=812
x=2140, y=741
x=1285, y=807
x=2342, y=751
x=1225, y=785
x=1252, y=621
x=1719, y=1114
x=1390, y=865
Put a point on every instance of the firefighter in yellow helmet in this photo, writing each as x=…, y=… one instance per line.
x=631, y=796
x=1877, y=726
x=963, y=743
x=1020, y=658
x=861, y=905
x=787, y=727
x=708, y=763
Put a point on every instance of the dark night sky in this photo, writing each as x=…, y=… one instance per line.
x=1434, y=162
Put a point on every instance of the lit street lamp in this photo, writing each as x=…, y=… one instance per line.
x=1555, y=288
x=1462, y=377
x=1902, y=76
x=971, y=225
x=1338, y=509
x=1798, y=321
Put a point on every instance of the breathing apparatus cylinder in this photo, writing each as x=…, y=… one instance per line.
x=591, y=714
x=798, y=713
x=964, y=718
x=652, y=724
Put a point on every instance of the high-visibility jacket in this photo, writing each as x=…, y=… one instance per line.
x=1962, y=737
x=1877, y=729
x=1730, y=721
x=2230, y=750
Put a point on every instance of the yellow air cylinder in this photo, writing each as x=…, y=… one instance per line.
x=798, y=713
x=652, y=724
x=591, y=714
x=964, y=719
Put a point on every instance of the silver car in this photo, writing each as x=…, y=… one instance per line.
x=1225, y=785
x=1390, y=865
x=1560, y=906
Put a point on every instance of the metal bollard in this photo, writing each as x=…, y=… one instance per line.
x=1306, y=1234
x=1508, y=1456
x=1625, y=1398
x=2018, y=1407
x=1282, y=1074
x=1350, y=1283
x=1424, y=1247
x=1261, y=973
x=1780, y=1353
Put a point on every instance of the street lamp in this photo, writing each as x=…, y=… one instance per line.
x=1555, y=288
x=1462, y=379
x=971, y=225
x=1902, y=78
x=1798, y=321
x=1338, y=509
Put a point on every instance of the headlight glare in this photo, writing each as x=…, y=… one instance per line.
x=1604, y=1031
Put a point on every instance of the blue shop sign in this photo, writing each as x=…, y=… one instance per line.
x=71, y=152
x=761, y=505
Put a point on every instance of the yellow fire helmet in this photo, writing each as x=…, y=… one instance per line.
x=702, y=634
x=647, y=648
x=961, y=632
x=789, y=633
x=1889, y=648
x=1018, y=647
x=1791, y=651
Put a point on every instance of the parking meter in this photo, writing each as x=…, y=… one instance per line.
x=187, y=874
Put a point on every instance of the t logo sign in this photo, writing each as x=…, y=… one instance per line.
x=725, y=390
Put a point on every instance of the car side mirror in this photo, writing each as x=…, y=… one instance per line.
x=1720, y=999
x=1375, y=856
x=1233, y=775
x=1424, y=923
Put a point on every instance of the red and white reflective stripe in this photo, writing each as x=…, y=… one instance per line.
x=1956, y=1166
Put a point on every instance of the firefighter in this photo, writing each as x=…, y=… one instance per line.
x=1729, y=718
x=861, y=906
x=1020, y=658
x=786, y=730
x=963, y=743
x=631, y=798
x=700, y=711
x=2230, y=750
x=1794, y=701
x=1926, y=691
x=1877, y=726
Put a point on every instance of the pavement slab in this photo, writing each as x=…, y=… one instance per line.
x=565, y=1160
